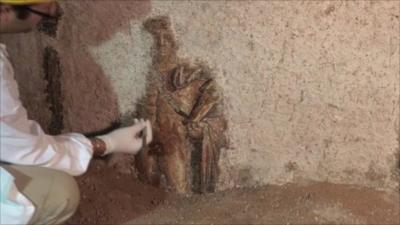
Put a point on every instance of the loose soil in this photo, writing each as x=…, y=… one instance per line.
x=111, y=197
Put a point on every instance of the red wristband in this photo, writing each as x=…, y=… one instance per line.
x=99, y=146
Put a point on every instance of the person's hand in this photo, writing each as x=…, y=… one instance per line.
x=128, y=139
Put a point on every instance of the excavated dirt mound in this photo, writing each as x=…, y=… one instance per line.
x=112, y=195
x=316, y=203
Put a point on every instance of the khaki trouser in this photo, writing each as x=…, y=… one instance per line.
x=55, y=194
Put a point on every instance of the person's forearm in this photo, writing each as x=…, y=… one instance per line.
x=123, y=140
x=99, y=147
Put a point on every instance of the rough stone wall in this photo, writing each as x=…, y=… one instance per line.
x=311, y=89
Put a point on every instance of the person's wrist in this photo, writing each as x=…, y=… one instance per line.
x=99, y=147
x=108, y=141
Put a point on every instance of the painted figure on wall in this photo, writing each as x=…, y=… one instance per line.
x=184, y=106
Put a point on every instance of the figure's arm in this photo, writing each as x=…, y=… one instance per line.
x=149, y=107
x=206, y=102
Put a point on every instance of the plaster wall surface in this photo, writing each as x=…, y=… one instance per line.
x=311, y=89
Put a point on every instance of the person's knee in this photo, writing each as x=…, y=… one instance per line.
x=55, y=194
x=67, y=191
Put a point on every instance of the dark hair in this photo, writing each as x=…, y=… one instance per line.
x=21, y=11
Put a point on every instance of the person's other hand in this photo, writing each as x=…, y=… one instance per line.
x=128, y=139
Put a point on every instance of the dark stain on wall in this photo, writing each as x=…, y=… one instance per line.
x=52, y=74
x=50, y=26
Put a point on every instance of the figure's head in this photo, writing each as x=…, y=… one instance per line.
x=24, y=15
x=157, y=25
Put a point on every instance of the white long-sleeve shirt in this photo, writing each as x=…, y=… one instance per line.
x=23, y=142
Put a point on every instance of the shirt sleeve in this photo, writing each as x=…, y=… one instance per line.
x=22, y=141
x=15, y=208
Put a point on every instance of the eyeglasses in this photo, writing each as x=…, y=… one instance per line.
x=42, y=14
